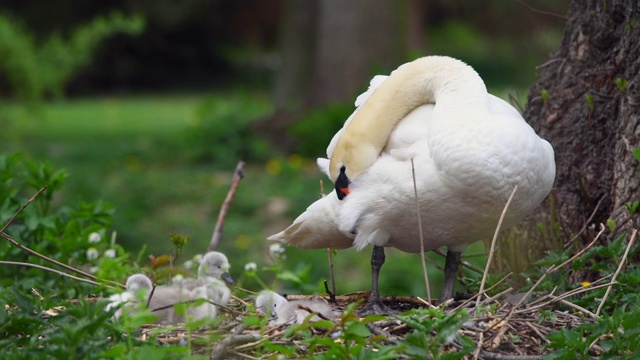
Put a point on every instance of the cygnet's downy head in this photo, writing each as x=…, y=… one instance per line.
x=216, y=265
x=268, y=303
x=138, y=283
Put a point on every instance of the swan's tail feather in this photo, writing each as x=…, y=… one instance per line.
x=316, y=228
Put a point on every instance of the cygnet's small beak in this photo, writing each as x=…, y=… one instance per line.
x=226, y=277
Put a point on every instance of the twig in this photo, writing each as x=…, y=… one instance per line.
x=217, y=232
x=311, y=312
x=54, y=271
x=549, y=271
x=586, y=223
x=479, y=347
x=22, y=208
x=560, y=298
x=55, y=262
x=153, y=290
x=577, y=307
x=43, y=257
x=234, y=338
x=332, y=293
x=495, y=356
x=622, y=261
x=466, y=302
x=493, y=244
x=418, y=213
x=542, y=12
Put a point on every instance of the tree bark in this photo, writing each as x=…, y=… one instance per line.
x=586, y=103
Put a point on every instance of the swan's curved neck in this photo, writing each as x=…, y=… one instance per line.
x=440, y=80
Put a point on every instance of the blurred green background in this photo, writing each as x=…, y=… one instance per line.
x=149, y=105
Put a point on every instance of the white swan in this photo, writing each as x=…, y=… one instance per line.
x=470, y=150
x=282, y=311
x=137, y=288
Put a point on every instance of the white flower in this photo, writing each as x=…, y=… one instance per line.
x=198, y=258
x=92, y=254
x=177, y=279
x=94, y=237
x=94, y=269
x=110, y=253
x=188, y=264
x=250, y=267
x=276, y=251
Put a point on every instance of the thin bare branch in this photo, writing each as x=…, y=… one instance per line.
x=217, y=232
x=418, y=213
x=493, y=244
x=24, y=206
x=541, y=12
x=2, y=262
x=620, y=266
x=43, y=257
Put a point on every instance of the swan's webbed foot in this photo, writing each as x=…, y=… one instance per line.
x=375, y=307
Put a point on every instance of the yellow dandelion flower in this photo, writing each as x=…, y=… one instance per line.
x=273, y=167
x=243, y=241
x=295, y=161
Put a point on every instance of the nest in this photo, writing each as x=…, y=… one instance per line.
x=514, y=329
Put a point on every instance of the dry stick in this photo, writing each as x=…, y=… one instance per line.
x=55, y=262
x=476, y=353
x=622, y=261
x=37, y=254
x=493, y=244
x=551, y=269
x=468, y=301
x=217, y=232
x=561, y=297
x=418, y=212
x=53, y=271
x=586, y=223
x=332, y=293
x=22, y=208
x=542, y=12
x=577, y=307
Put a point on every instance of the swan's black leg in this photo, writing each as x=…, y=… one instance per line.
x=450, y=269
x=374, y=304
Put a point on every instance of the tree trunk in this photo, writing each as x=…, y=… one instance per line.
x=356, y=37
x=330, y=49
x=586, y=103
x=297, y=45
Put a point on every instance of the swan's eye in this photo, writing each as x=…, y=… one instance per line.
x=342, y=184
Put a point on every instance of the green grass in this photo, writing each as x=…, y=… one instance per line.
x=134, y=152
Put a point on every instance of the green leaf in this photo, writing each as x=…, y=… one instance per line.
x=357, y=329
x=636, y=154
